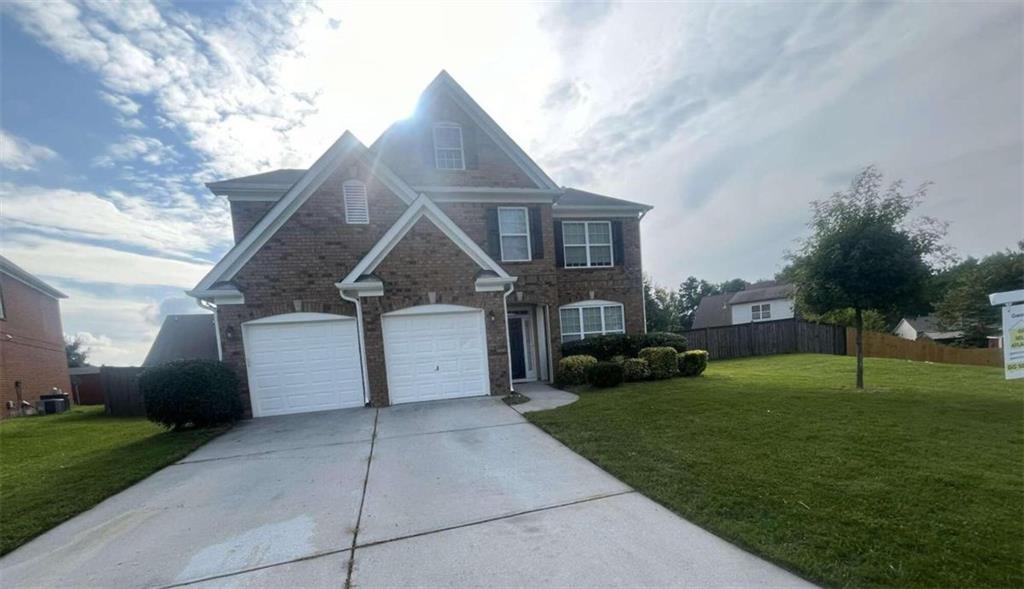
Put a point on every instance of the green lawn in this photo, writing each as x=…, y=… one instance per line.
x=54, y=467
x=917, y=481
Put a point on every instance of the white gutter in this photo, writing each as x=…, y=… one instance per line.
x=508, y=342
x=362, y=343
x=216, y=325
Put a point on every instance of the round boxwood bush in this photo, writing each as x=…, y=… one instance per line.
x=190, y=393
x=605, y=374
x=602, y=347
x=635, y=369
x=572, y=370
x=662, y=361
x=693, y=362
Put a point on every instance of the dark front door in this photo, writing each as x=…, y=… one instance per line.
x=515, y=343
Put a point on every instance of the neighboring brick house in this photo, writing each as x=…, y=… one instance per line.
x=439, y=262
x=32, y=356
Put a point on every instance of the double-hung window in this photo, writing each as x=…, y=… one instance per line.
x=514, y=226
x=448, y=147
x=583, y=320
x=587, y=244
x=761, y=312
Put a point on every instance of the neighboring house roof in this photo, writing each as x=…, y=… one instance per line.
x=713, y=311
x=572, y=197
x=763, y=291
x=930, y=326
x=184, y=337
x=21, y=275
x=283, y=209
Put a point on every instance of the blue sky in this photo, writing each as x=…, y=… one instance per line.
x=728, y=118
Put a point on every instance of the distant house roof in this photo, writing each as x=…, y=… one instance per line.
x=763, y=291
x=571, y=197
x=272, y=180
x=931, y=327
x=184, y=337
x=20, y=274
x=713, y=311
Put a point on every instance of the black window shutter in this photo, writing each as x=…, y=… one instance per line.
x=493, y=236
x=617, y=249
x=536, y=234
x=559, y=250
x=469, y=148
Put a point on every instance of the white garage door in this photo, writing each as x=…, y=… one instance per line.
x=301, y=362
x=435, y=352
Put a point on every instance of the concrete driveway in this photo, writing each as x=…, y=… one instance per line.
x=457, y=493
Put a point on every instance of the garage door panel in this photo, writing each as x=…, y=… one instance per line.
x=435, y=356
x=303, y=366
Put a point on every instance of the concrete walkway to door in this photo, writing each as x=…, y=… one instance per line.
x=450, y=494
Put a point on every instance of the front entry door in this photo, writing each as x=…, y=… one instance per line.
x=517, y=351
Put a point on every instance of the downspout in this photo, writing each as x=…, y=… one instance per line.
x=216, y=325
x=508, y=342
x=362, y=347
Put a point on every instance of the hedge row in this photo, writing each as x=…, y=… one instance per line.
x=606, y=347
x=653, y=364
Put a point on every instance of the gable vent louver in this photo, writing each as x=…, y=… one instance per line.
x=357, y=211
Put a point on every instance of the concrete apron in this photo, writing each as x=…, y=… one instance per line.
x=446, y=494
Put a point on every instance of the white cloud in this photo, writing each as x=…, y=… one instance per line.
x=182, y=227
x=89, y=263
x=20, y=154
x=121, y=103
x=135, y=147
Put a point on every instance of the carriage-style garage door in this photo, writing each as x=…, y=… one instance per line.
x=435, y=352
x=301, y=362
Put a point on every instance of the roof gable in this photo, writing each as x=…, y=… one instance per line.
x=184, y=337
x=444, y=85
x=347, y=145
x=421, y=208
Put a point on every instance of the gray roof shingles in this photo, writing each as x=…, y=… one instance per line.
x=713, y=311
x=184, y=337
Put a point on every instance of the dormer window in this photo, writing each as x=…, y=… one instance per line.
x=357, y=210
x=448, y=147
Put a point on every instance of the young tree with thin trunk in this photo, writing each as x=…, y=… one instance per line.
x=865, y=253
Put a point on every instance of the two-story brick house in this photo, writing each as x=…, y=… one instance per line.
x=32, y=357
x=439, y=262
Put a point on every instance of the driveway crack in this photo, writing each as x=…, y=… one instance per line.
x=362, y=502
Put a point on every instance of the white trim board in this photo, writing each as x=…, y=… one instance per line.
x=299, y=193
x=421, y=207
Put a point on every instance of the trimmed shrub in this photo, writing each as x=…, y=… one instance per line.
x=190, y=393
x=693, y=362
x=662, y=361
x=605, y=374
x=572, y=370
x=618, y=360
x=634, y=369
x=659, y=339
x=602, y=347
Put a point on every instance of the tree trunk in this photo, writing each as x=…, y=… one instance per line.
x=859, y=324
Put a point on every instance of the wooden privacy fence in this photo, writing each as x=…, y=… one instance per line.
x=785, y=336
x=882, y=345
x=121, y=391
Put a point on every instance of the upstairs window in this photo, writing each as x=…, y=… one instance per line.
x=514, y=227
x=448, y=147
x=761, y=312
x=357, y=211
x=590, y=318
x=587, y=244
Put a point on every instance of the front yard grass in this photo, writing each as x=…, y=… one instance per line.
x=918, y=481
x=54, y=467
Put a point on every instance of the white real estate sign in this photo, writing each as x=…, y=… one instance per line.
x=1013, y=340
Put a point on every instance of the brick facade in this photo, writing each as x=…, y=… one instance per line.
x=31, y=345
x=297, y=269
